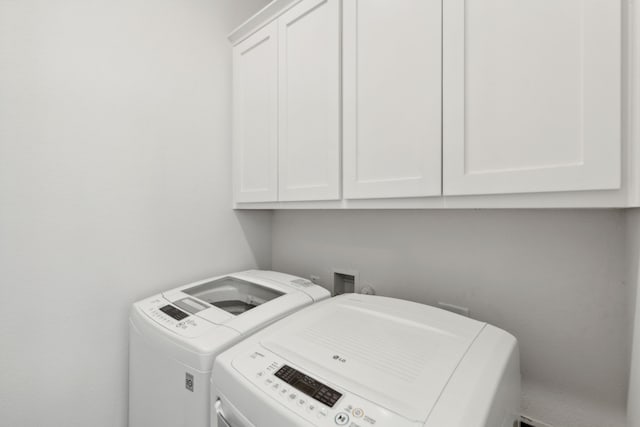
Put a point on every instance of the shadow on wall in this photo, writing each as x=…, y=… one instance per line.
x=257, y=235
x=633, y=274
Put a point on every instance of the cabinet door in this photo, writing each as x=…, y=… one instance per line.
x=531, y=95
x=392, y=98
x=255, y=117
x=309, y=99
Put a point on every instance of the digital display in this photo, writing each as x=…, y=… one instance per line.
x=308, y=386
x=173, y=312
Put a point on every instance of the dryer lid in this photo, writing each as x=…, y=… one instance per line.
x=396, y=354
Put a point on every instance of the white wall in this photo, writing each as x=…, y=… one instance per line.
x=114, y=184
x=554, y=279
x=633, y=277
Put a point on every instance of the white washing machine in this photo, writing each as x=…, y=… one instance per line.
x=369, y=361
x=175, y=336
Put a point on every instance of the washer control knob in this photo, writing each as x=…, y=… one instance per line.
x=342, y=418
x=357, y=412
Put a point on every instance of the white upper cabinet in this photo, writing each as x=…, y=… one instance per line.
x=532, y=94
x=255, y=117
x=309, y=101
x=411, y=103
x=392, y=87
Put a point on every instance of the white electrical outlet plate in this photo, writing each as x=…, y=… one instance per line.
x=368, y=290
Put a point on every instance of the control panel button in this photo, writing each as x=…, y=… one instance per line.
x=322, y=412
x=301, y=402
x=357, y=412
x=292, y=396
x=311, y=407
x=342, y=418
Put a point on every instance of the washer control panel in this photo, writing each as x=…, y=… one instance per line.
x=174, y=312
x=310, y=397
x=308, y=385
x=173, y=318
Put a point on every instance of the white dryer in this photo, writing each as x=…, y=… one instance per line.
x=369, y=361
x=175, y=336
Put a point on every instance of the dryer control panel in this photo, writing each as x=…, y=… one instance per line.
x=311, y=397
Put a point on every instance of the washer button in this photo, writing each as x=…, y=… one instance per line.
x=342, y=418
x=357, y=412
x=322, y=412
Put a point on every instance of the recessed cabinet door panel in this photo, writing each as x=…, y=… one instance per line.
x=392, y=98
x=309, y=95
x=532, y=95
x=255, y=117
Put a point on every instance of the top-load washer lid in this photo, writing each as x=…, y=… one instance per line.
x=244, y=301
x=233, y=295
x=396, y=354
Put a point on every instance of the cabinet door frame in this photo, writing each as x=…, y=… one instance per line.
x=600, y=167
x=268, y=193
x=331, y=189
x=428, y=179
